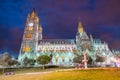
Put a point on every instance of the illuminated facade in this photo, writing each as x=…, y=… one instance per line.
x=63, y=51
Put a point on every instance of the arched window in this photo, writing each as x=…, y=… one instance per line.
x=30, y=28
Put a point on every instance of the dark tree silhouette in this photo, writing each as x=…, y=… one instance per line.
x=28, y=62
x=44, y=59
x=100, y=58
x=78, y=59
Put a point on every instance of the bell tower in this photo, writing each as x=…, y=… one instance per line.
x=32, y=33
x=82, y=40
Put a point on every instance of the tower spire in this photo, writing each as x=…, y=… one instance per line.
x=80, y=27
x=33, y=14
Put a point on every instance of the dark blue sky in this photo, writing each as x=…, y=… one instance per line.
x=59, y=19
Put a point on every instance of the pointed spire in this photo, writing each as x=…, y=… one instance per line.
x=33, y=14
x=80, y=27
x=91, y=37
x=28, y=15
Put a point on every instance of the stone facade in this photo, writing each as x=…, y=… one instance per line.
x=63, y=51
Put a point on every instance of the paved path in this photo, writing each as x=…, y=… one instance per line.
x=44, y=72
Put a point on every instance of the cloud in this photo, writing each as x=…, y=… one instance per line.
x=59, y=19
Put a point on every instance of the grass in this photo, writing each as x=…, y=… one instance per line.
x=92, y=74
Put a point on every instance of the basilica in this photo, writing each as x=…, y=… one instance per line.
x=63, y=51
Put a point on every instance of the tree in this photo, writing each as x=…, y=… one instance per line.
x=13, y=62
x=44, y=59
x=100, y=58
x=5, y=59
x=78, y=59
x=28, y=62
x=89, y=60
x=31, y=62
x=25, y=61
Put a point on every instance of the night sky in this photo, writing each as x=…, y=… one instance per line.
x=59, y=19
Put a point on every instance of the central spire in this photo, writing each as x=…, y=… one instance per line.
x=80, y=27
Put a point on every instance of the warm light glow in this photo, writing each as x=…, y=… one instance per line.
x=28, y=35
x=33, y=14
x=80, y=27
x=30, y=28
x=26, y=49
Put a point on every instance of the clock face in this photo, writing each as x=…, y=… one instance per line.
x=30, y=24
